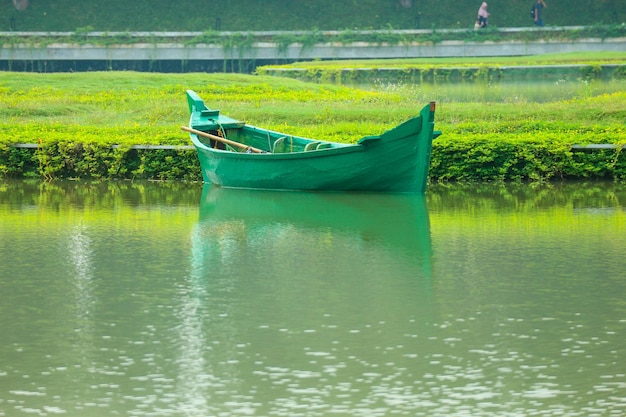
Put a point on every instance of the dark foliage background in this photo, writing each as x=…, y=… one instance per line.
x=259, y=15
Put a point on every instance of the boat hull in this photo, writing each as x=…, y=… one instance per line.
x=396, y=161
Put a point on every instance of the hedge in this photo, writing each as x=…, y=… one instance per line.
x=452, y=160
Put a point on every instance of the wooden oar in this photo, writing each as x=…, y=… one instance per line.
x=221, y=139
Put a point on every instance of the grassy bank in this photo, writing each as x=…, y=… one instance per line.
x=589, y=66
x=76, y=117
x=571, y=58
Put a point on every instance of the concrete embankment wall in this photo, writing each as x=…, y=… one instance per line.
x=175, y=46
x=271, y=51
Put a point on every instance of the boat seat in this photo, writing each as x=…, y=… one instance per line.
x=311, y=146
x=209, y=113
x=213, y=125
x=279, y=145
x=324, y=146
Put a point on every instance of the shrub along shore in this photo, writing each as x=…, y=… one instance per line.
x=77, y=118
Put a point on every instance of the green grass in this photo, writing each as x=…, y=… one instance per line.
x=113, y=98
x=140, y=108
x=78, y=116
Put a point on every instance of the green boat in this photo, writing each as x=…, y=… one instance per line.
x=234, y=154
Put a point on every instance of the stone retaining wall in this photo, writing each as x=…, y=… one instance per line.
x=271, y=51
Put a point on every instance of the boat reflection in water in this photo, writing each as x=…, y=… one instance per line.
x=284, y=230
x=295, y=298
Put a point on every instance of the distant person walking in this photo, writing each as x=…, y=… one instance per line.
x=481, y=20
x=20, y=4
x=537, y=12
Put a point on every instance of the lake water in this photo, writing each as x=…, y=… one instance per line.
x=535, y=90
x=163, y=299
